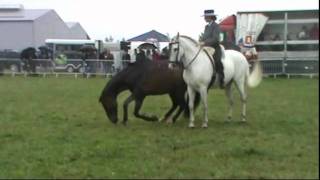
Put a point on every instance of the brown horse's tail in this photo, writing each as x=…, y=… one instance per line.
x=186, y=112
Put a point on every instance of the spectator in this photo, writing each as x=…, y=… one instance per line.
x=164, y=53
x=148, y=54
x=314, y=32
x=155, y=55
x=276, y=37
x=126, y=58
x=141, y=56
x=134, y=56
x=107, y=55
x=302, y=35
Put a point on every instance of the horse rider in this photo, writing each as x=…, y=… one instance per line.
x=211, y=37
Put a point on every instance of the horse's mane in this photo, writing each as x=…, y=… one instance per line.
x=190, y=39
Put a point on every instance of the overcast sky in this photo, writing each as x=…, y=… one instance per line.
x=129, y=18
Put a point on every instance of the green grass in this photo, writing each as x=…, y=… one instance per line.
x=55, y=128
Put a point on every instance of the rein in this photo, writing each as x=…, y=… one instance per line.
x=194, y=58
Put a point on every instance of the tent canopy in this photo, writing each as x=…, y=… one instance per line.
x=151, y=35
x=147, y=46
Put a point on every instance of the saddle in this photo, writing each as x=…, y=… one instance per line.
x=209, y=51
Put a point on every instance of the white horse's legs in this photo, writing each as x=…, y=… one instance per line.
x=204, y=98
x=228, y=92
x=243, y=96
x=191, y=95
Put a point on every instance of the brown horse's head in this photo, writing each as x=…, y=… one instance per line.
x=110, y=106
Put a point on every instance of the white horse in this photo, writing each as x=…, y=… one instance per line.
x=199, y=69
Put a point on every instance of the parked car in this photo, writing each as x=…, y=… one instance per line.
x=10, y=59
x=68, y=62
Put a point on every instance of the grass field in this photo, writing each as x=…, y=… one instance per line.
x=55, y=128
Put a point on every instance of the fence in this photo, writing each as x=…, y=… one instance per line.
x=290, y=63
x=77, y=67
x=72, y=67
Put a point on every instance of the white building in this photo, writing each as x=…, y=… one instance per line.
x=21, y=28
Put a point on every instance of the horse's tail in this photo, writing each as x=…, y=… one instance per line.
x=255, y=77
x=186, y=112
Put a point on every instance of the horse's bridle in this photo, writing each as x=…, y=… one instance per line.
x=178, y=50
x=177, y=56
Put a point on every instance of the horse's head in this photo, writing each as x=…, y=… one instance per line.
x=175, y=51
x=110, y=106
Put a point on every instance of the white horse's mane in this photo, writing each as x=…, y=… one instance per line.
x=208, y=49
x=190, y=39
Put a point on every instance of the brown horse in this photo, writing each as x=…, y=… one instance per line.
x=143, y=78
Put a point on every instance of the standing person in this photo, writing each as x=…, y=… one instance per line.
x=314, y=32
x=302, y=35
x=134, y=56
x=126, y=58
x=211, y=37
x=141, y=56
x=148, y=54
x=155, y=55
x=109, y=63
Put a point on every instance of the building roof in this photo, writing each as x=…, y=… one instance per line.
x=271, y=11
x=71, y=24
x=151, y=35
x=70, y=41
x=22, y=14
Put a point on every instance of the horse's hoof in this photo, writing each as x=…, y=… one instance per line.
x=169, y=121
x=161, y=119
x=205, y=125
x=243, y=119
x=191, y=126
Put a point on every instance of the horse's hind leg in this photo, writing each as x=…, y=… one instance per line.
x=228, y=92
x=204, y=97
x=125, y=108
x=139, y=102
x=181, y=108
x=243, y=96
x=173, y=107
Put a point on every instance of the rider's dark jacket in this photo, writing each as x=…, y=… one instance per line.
x=211, y=35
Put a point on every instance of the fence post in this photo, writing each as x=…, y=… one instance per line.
x=285, y=45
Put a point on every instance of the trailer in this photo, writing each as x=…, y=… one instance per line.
x=286, y=42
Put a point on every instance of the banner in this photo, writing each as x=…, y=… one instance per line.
x=249, y=27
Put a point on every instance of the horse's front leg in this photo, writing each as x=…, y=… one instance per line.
x=125, y=108
x=204, y=97
x=191, y=95
x=139, y=102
